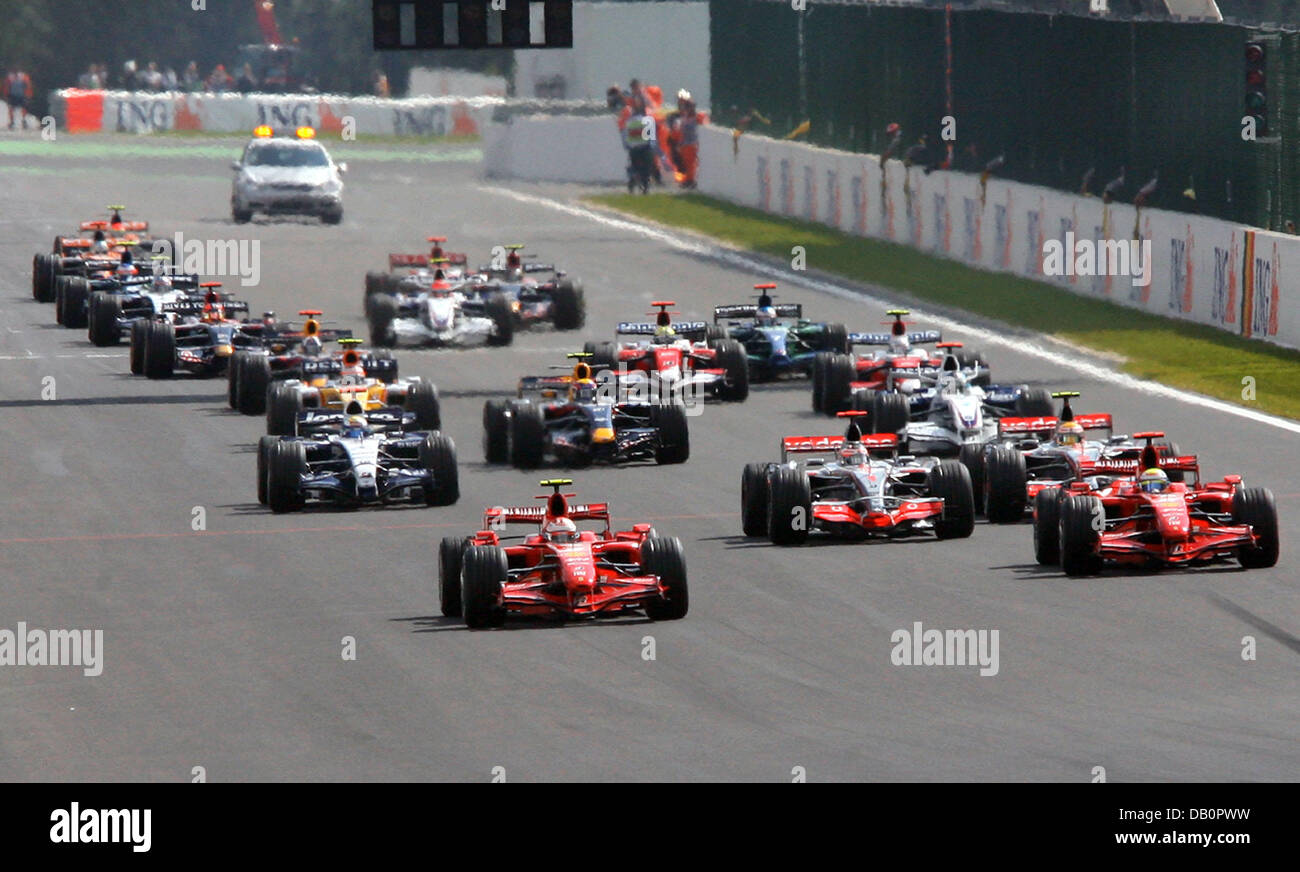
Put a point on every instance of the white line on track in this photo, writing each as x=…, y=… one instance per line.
x=737, y=258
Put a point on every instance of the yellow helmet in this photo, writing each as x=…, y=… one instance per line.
x=1153, y=481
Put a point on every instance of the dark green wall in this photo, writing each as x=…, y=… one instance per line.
x=1056, y=94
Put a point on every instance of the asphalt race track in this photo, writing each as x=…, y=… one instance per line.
x=223, y=647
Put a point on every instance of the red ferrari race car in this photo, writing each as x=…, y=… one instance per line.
x=1147, y=520
x=1037, y=452
x=560, y=571
x=676, y=359
x=836, y=377
x=863, y=489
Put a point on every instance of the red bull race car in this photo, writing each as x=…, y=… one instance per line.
x=561, y=571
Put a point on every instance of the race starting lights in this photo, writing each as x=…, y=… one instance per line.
x=1256, y=56
x=472, y=24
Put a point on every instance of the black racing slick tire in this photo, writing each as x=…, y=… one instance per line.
x=1255, y=506
x=451, y=558
x=663, y=556
x=139, y=339
x=264, y=446
x=1005, y=484
x=286, y=465
x=836, y=339
x=496, y=431
x=890, y=412
x=422, y=399
x=1035, y=403
x=674, y=434
x=254, y=381
x=282, y=407
x=1047, y=526
x=789, y=506
x=754, y=499
x=381, y=312
x=1078, y=536
x=731, y=358
x=484, y=569
x=497, y=307
x=527, y=435
x=837, y=384
x=105, y=310
x=438, y=456
x=972, y=457
x=950, y=480
x=159, y=350
x=568, y=304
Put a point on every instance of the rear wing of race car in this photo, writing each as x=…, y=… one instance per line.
x=498, y=515
x=198, y=305
x=1094, y=421
x=386, y=419
x=828, y=444
x=750, y=310
x=417, y=261
x=1116, y=466
x=921, y=337
x=535, y=383
x=637, y=328
x=124, y=227
x=1038, y=426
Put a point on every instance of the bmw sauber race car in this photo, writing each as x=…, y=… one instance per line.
x=863, y=489
x=441, y=314
x=280, y=174
x=778, y=340
x=352, y=458
x=417, y=268
x=674, y=360
x=836, y=377
x=201, y=342
x=945, y=414
x=72, y=293
x=1148, y=520
x=579, y=422
x=333, y=383
x=561, y=571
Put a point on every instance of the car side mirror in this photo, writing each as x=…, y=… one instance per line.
x=236, y=165
x=343, y=167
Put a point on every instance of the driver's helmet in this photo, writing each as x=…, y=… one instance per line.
x=958, y=383
x=899, y=344
x=356, y=426
x=665, y=333
x=766, y=315
x=161, y=284
x=583, y=391
x=561, y=530
x=1153, y=481
x=1069, y=433
x=99, y=246
x=853, y=454
x=127, y=268
x=513, y=260
x=311, y=346
x=353, y=373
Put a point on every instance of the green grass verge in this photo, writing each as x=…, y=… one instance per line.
x=1177, y=353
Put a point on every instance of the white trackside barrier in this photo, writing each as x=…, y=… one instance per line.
x=1203, y=269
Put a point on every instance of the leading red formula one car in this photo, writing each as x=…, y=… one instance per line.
x=560, y=571
x=1148, y=520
